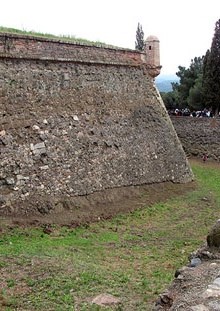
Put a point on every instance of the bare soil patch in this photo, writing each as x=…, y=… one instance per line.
x=97, y=206
x=209, y=163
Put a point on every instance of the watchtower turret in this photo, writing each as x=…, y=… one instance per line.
x=152, y=50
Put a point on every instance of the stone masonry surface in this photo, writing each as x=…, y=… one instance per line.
x=76, y=119
x=199, y=136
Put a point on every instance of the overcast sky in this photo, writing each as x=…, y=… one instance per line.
x=184, y=27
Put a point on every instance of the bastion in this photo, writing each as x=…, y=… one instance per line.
x=76, y=119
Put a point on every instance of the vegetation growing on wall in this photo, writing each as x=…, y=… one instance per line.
x=51, y=36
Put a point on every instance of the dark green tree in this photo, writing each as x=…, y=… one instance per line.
x=169, y=100
x=196, y=97
x=188, y=78
x=211, y=72
x=139, y=43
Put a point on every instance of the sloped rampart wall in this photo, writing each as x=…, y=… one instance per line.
x=78, y=119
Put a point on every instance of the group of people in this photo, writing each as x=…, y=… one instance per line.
x=204, y=113
x=196, y=114
x=180, y=112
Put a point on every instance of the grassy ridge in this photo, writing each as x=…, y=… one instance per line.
x=133, y=257
x=51, y=36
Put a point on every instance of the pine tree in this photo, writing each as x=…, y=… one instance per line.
x=139, y=43
x=211, y=72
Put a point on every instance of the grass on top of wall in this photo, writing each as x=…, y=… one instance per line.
x=51, y=36
x=132, y=256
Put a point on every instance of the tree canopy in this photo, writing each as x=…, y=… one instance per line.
x=211, y=72
x=199, y=85
x=188, y=79
x=188, y=91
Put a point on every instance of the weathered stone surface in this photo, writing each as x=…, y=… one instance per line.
x=199, y=308
x=213, y=238
x=195, y=262
x=197, y=287
x=199, y=136
x=84, y=119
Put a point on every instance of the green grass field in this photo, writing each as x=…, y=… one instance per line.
x=133, y=257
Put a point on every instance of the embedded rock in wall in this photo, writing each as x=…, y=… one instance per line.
x=78, y=119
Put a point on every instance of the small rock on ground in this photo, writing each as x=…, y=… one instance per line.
x=106, y=300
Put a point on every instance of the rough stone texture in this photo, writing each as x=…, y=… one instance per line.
x=213, y=238
x=199, y=136
x=196, y=287
x=75, y=120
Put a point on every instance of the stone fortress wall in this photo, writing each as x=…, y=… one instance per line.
x=199, y=136
x=76, y=119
